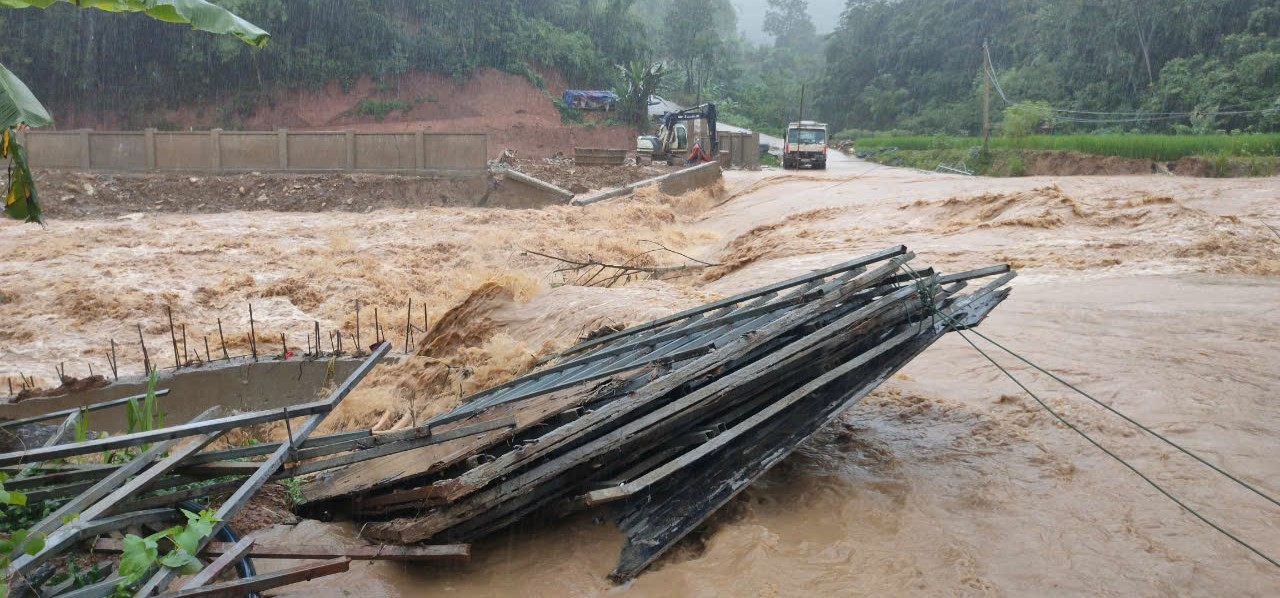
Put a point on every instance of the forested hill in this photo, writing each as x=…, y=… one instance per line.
x=118, y=60
x=915, y=65
x=904, y=65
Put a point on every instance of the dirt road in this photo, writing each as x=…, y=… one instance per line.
x=1160, y=295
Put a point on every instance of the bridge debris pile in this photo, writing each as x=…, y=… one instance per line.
x=661, y=423
x=664, y=422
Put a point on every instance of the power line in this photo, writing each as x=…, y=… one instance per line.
x=1119, y=459
x=1120, y=117
x=959, y=329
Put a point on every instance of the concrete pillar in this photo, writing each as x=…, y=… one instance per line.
x=420, y=150
x=282, y=142
x=86, y=156
x=753, y=152
x=150, y=147
x=351, y=150
x=215, y=156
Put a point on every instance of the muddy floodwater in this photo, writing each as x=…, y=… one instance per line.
x=1160, y=295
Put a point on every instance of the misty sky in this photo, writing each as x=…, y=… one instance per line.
x=825, y=14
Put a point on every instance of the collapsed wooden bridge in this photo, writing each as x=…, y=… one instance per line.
x=661, y=423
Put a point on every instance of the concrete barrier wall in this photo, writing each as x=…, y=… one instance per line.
x=182, y=151
x=456, y=151
x=317, y=151
x=239, y=386
x=689, y=179
x=244, y=151
x=390, y=150
x=743, y=149
x=58, y=150
x=124, y=151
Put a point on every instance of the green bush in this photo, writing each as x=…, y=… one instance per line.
x=1016, y=167
x=568, y=114
x=1022, y=119
x=379, y=109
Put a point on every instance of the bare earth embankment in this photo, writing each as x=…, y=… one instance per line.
x=508, y=108
x=1161, y=295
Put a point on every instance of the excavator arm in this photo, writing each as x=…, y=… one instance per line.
x=705, y=112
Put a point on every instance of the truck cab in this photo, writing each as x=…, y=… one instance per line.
x=805, y=144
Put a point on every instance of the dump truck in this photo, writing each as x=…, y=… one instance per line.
x=805, y=144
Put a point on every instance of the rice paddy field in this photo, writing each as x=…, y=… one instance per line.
x=1162, y=148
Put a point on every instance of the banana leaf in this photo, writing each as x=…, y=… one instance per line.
x=21, y=202
x=199, y=14
x=17, y=104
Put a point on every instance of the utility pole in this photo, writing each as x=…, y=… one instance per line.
x=986, y=96
x=801, y=119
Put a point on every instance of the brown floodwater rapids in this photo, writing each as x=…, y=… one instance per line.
x=1160, y=295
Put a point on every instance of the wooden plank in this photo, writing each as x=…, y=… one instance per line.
x=267, y=448
x=163, y=434
x=266, y=581
x=609, y=452
x=659, y=421
x=66, y=426
x=65, y=412
x=407, y=465
x=739, y=347
x=395, y=443
x=266, y=550
x=683, y=501
x=305, y=468
x=477, y=432
x=863, y=261
x=61, y=476
x=768, y=413
x=102, y=488
x=93, y=472
x=211, y=571
x=237, y=500
x=148, y=476
x=173, y=498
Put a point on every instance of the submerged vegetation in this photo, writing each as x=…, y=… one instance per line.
x=1162, y=148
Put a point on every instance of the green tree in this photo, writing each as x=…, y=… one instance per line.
x=1120, y=64
x=693, y=41
x=641, y=79
x=789, y=23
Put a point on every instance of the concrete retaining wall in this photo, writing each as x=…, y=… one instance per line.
x=676, y=183
x=220, y=151
x=240, y=386
x=517, y=190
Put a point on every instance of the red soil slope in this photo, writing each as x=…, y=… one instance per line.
x=514, y=113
